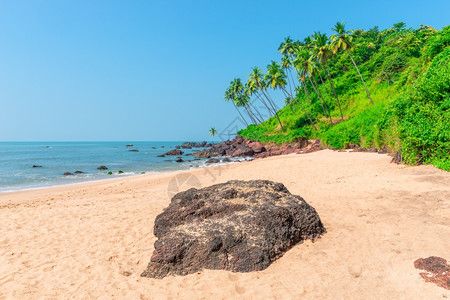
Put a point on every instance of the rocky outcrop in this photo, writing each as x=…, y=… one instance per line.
x=437, y=270
x=247, y=148
x=179, y=160
x=174, y=152
x=78, y=172
x=67, y=173
x=102, y=168
x=240, y=226
x=190, y=145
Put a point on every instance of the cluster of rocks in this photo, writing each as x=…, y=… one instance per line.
x=240, y=226
x=69, y=173
x=242, y=147
x=190, y=145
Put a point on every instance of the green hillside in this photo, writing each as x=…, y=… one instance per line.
x=407, y=74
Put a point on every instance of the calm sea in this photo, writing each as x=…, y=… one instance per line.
x=56, y=158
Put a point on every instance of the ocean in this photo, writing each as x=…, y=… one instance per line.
x=55, y=158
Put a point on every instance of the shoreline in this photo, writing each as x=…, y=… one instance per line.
x=94, y=239
x=119, y=177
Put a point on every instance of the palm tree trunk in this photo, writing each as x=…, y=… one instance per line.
x=265, y=104
x=367, y=91
x=334, y=91
x=239, y=113
x=259, y=117
x=289, y=81
x=250, y=114
x=324, y=104
x=319, y=95
x=307, y=115
x=276, y=112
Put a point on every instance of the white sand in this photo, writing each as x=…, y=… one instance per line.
x=93, y=240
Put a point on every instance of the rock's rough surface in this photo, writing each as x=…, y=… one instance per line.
x=239, y=226
x=437, y=270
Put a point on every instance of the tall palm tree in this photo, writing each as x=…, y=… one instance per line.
x=287, y=49
x=241, y=99
x=230, y=96
x=322, y=52
x=313, y=70
x=212, y=131
x=276, y=78
x=256, y=79
x=344, y=41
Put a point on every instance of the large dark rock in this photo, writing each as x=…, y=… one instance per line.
x=213, y=161
x=240, y=226
x=242, y=150
x=174, y=152
x=214, y=151
x=102, y=168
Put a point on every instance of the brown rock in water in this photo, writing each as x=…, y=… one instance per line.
x=174, y=152
x=212, y=161
x=102, y=168
x=240, y=226
x=438, y=271
x=67, y=173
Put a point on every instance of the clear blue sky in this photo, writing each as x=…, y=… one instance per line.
x=154, y=70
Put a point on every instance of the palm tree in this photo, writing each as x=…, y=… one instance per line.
x=322, y=52
x=276, y=79
x=313, y=70
x=229, y=95
x=344, y=41
x=257, y=83
x=212, y=131
x=241, y=99
x=287, y=49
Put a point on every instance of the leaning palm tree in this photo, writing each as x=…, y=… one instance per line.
x=287, y=49
x=276, y=79
x=241, y=99
x=257, y=84
x=212, y=131
x=313, y=70
x=344, y=41
x=322, y=52
x=230, y=96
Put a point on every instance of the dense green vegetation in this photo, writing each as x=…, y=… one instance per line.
x=388, y=88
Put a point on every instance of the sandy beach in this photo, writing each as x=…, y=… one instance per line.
x=93, y=240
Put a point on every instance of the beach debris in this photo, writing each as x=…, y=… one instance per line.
x=109, y=173
x=437, y=270
x=129, y=145
x=174, y=152
x=213, y=161
x=67, y=173
x=240, y=226
x=102, y=168
x=37, y=166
